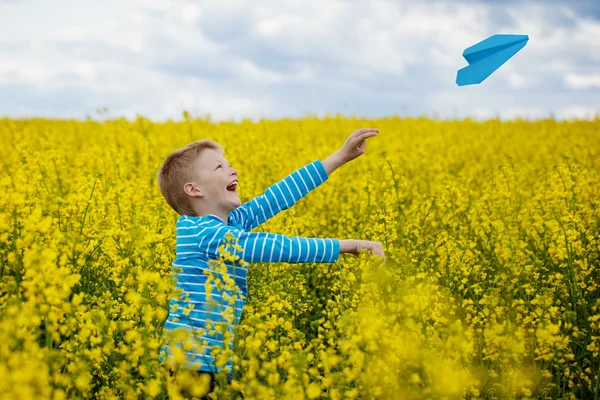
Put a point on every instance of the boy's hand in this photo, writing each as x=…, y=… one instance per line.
x=353, y=246
x=354, y=146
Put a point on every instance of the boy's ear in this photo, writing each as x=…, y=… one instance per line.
x=192, y=190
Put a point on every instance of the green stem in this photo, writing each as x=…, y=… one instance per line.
x=88, y=206
x=396, y=188
x=596, y=390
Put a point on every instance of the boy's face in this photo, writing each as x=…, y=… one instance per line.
x=215, y=177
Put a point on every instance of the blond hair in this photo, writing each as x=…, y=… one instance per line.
x=177, y=170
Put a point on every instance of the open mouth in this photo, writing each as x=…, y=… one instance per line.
x=232, y=187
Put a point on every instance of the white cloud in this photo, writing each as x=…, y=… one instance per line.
x=519, y=80
x=580, y=81
x=524, y=113
x=588, y=33
x=482, y=113
x=249, y=70
x=240, y=59
x=34, y=74
x=85, y=70
x=220, y=107
x=189, y=13
x=579, y=112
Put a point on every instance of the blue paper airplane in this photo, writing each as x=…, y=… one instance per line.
x=487, y=56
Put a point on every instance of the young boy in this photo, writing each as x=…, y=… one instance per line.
x=201, y=186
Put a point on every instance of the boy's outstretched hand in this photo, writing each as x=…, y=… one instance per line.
x=354, y=246
x=354, y=146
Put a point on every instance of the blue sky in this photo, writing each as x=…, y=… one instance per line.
x=276, y=59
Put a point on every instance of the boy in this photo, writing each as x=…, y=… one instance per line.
x=201, y=186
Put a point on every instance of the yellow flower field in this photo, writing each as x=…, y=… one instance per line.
x=491, y=289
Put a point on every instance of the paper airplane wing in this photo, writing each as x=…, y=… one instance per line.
x=487, y=56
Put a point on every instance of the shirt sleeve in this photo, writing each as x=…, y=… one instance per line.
x=273, y=247
x=279, y=196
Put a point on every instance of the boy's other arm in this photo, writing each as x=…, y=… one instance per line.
x=272, y=247
x=353, y=246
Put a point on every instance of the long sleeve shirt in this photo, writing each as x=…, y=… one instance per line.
x=198, y=241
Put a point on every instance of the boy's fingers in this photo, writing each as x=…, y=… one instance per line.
x=366, y=135
x=363, y=130
x=360, y=141
x=367, y=130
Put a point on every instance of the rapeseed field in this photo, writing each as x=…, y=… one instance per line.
x=490, y=289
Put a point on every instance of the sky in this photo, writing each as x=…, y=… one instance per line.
x=288, y=59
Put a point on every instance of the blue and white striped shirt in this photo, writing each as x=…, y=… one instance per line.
x=198, y=241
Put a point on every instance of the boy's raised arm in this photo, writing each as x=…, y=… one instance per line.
x=279, y=196
x=284, y=194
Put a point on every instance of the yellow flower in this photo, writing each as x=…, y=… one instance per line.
x=313, y=391
x=490, y=239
